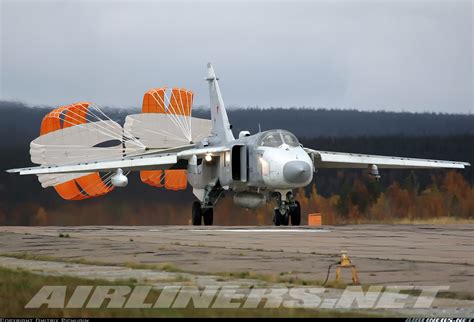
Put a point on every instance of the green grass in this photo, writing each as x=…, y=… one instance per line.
x=167, y=267
x=456, y=295
x=443, y=294
x=281, y=278
x=17, y=287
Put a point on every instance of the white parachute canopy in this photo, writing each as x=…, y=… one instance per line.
x=82, y=133
x=157, y=131
x=78, y=133
x=165, y=121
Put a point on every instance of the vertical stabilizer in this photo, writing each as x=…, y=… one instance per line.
x=221, y=129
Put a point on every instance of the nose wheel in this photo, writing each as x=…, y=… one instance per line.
x=280, y=219
x=295, y=214
x=288, y=210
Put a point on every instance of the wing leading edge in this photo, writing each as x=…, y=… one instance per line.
x=140, y=162
x=327, y=159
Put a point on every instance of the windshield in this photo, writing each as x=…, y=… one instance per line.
x=290, y=139
x=272, y=139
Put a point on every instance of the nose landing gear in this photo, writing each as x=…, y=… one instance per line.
x=295, y=214
x=280, y=219
x=287, y=210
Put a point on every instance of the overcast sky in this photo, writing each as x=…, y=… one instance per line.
x=369, y=55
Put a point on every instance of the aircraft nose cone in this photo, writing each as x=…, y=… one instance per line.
x=296, y=172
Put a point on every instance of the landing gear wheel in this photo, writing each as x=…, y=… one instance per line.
x=208, y=216
x=295, y=214
x=197, y=214
x=280, y=219
x=276, y=217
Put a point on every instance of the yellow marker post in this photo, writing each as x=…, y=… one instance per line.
x=345, y=262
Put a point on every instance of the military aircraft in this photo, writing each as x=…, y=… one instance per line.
x=83, y=154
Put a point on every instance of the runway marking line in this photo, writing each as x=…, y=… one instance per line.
x=262, y=230
x=243, y=230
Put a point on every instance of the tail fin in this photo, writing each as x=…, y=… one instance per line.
x=221, y=128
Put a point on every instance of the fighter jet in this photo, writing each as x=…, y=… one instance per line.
x=83, y=154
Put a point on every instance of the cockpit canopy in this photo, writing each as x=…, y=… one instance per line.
x=275, y=138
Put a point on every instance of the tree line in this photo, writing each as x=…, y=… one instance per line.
x=342, y=196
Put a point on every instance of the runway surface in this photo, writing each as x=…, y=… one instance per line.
x=384, y=254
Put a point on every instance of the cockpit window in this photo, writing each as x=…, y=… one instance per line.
x=290, y=139
x=272, y=139
x=276, y=138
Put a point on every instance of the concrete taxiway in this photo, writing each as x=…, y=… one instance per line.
x=384, y=254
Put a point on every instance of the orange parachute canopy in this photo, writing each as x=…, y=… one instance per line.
x=152, y=177
x=87, y=186
x=156, y=101
x=175, y=179
x=180, y=103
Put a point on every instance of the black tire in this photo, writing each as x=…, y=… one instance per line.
x=295, y=214
x=279, y=219
x=208, y=216
x=276, y=217
x=197, y=214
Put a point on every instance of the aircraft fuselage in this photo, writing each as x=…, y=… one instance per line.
x=265, y=162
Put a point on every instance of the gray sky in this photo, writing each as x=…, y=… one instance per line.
x=392, y=55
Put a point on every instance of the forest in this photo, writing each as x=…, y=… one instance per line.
x=341, y=196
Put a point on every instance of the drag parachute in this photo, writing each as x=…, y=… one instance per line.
x=166, y=123
x=82, y=133
x=76, y=133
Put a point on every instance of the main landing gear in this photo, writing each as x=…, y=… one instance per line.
x=203, y=211
x=287, y=210
x=201, y=214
